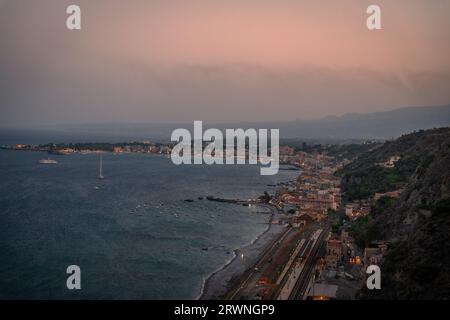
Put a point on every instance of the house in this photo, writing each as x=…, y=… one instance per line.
x=375, y=252
x=118, y=150
x=390, y=163
x=298, y=222
x=372, y=256
x=334, y=253
x=306, y=217
x=349, y=210
x=322, y=291
x=391, y=194
x=286, y=150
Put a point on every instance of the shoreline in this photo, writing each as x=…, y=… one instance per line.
x=219, y=282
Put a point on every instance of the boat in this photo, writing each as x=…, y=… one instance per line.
x=100, y=176
x=47, y=161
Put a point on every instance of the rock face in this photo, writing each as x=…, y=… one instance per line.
x=417, y=266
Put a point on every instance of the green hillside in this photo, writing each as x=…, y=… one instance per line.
x=417, y=224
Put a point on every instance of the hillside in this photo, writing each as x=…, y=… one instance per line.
x=417, y=224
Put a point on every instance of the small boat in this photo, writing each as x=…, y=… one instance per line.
x=47, y=161
x=100, y=176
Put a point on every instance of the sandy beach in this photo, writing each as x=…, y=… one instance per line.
x=220, y=281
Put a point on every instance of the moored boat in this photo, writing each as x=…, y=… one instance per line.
x=47, y=161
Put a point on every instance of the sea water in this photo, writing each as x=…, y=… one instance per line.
x=132, y=234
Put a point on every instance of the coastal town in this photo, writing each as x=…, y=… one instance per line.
x=312, y=255
x=145, y=147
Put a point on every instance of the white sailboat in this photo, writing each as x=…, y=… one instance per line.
x=100, y=176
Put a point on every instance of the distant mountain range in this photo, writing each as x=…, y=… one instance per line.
x=379, y=125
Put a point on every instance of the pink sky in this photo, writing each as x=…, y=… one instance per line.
x=285, y=34
x=229, y=60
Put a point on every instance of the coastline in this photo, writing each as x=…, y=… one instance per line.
x=219, y=282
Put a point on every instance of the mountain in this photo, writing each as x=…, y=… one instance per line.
x=417, y=224
x=381, y=125
x=331, y=129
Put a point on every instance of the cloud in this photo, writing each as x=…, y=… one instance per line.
x=218, y=61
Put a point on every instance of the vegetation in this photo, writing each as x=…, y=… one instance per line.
x=349, y=151
x=365, y=230
x=364, y=183
x=331, y=212
x=382, y=204
x=335, y=227
x=417, y=265
x=366, y=176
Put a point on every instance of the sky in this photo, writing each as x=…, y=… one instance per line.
x=169, y=61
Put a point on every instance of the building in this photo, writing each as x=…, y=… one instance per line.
x=349, y=210
x=372, y=256
x=322, y=291
x=305, y=218
x=334, y=253
x=391, y=194
x=286, y=150
x=297, y=222
x=374, y=253
x=319, y=203
x=391, y=162
x=118, y=150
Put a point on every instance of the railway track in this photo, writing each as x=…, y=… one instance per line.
x=300, y=287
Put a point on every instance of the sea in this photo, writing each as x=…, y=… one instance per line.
x=133, y=234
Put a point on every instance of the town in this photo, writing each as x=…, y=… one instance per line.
x=315, y=256
x=146, y=147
